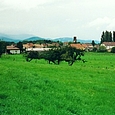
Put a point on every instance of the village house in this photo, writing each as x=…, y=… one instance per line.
x=85, y=46
x=12, y=50
x=33, y=47
x=65, y=43
x=108, y=45
x=38, y=45
x=53, y=45
x=28, y=45
x=78, y=46
x=89, y=47
x=37, y=49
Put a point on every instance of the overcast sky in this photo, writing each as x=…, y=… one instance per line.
x=85, y=19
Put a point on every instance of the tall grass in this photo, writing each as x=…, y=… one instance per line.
x=38, y=88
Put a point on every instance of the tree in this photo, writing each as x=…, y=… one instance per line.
x=102, y=49
x=2, y=47
x=53, y=55
x=114, y=36
x=20, y=46
x=56, y=55
x=102, y=37
x=32, y=55
x=93, y=43
x=106, y=36
x=110, y=37
x=113, y=50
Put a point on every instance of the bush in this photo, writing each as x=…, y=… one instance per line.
x=102, y=49
x=113, y=50
x=94, y=49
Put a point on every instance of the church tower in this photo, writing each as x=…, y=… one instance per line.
x=75, y=39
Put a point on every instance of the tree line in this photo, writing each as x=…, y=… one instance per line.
x=56, y=55
x=108, y=36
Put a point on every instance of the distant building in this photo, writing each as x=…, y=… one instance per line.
x=79, y=46
x=65, y=43
x=28, y=45
x=108, y=45
x=85, y=46
x=12, y=50
x=37, y=49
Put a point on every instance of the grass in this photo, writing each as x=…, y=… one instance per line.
x=38, y=88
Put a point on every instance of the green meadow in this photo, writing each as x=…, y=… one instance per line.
x=39, y=88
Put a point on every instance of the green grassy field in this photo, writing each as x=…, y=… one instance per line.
x=38, y=88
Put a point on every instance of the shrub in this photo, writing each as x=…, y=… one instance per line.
x=113, y=50
x=102, y=49
x=94, y=49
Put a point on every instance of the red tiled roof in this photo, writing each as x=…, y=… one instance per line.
x=28, y=45
x=78, y=46
x=109, y=43
x=12, y=48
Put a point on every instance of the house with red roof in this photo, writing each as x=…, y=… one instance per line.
x=108, y=45
x=85, y=46
x=12, y=49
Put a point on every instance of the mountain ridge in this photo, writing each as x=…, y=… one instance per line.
x=28, y=37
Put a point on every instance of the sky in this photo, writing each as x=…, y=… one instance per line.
x=85, y=19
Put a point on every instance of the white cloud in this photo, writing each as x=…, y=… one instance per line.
x=99, y=22
x=106, y=23
x=111, y=25
x=95, y=27
x=23, y=4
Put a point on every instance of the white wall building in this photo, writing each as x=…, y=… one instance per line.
x=12, y=50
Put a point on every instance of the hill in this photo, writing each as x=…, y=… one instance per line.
x=29, y=37
x=19, y=37
x=8, y=39
x=33, y=39
x=16, y=36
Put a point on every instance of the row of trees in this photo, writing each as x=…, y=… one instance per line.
x=56, y=55
x=108, y=36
